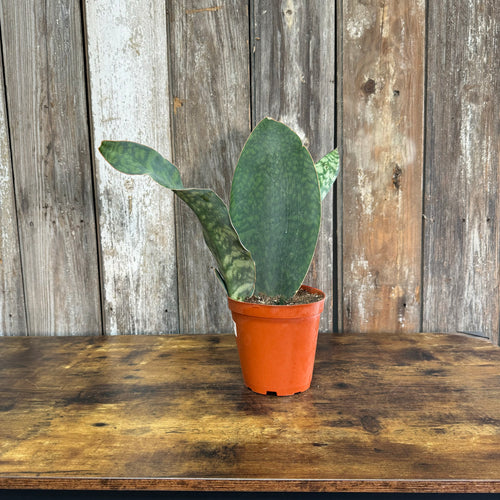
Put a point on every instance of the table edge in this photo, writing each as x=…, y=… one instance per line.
x=253, y=484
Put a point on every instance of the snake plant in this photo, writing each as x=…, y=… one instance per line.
x=264, y=242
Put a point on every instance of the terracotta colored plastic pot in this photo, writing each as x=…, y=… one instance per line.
x=277, y=344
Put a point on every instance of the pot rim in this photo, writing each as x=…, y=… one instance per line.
x=279, y=311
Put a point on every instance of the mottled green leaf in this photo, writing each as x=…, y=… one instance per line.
x=276, y=207
x=133, y=158
x=235, y=264
x=328, y=170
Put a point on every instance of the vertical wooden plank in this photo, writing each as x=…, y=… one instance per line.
x=462, y=192
x=382, y=141
x=128, y=71
x=12, y=308
x=211, y=89
x=293, y=78
x=44, y=72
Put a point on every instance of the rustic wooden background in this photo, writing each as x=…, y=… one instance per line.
x=409, y=90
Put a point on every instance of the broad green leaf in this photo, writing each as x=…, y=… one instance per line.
x=276, y=207
x=236, y=266
x=328, y=170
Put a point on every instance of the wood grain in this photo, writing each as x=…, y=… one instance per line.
x=45, y=85
x=462, y=193
x=128, y=69
x=12, y=307
x=385, y=412
x=382, y=142
x=293, y=80
x=211, y=104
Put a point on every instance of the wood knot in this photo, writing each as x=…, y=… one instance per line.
x=369, y=86
x=397, y=172
x=371, y=424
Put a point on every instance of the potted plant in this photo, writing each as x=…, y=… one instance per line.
x=263, y=245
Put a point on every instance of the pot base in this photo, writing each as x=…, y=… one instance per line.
x=276, y=393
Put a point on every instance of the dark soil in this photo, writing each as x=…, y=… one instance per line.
x=301, y=297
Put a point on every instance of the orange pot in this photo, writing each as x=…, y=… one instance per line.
x=277, y=344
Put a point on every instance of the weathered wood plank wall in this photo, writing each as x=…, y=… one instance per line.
x=44, y=73
x=12, y=307
x=381, y=189
x=211, y=95
x=129, y=89
x=462, y=194
x=85, y=250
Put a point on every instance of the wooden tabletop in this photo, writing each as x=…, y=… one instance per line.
x=407, y=413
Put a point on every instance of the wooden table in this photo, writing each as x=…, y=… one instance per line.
x=385, y=413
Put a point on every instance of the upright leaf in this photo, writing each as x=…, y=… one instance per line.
x=328, y=170
x=276, y=207
x=236, y=266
